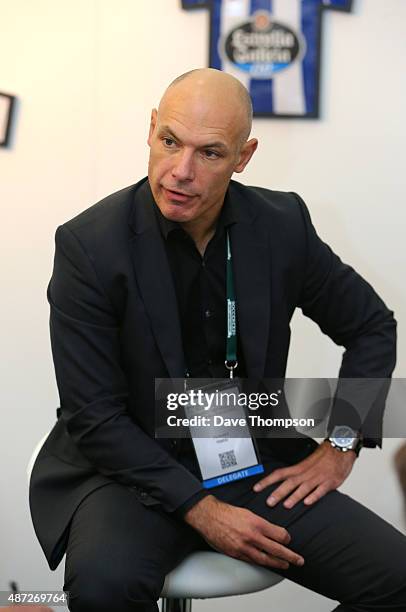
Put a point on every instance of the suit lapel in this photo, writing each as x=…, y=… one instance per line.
x=251, y=267
x=155, y=282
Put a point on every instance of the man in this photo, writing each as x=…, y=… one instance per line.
x=137, y=293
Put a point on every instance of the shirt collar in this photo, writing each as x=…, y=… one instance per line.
x=226, y=218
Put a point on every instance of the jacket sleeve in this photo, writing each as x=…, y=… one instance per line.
x=93, y=389
x=350, y=312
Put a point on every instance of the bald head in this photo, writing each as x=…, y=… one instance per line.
x=198, y=139
x=218, y=88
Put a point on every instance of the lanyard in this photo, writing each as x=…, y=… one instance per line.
x=231, y=344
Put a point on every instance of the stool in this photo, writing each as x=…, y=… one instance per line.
x=34, y=454
x=206, y=574
x=203, y=574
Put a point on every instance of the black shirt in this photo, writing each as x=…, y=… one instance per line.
x=200, y=287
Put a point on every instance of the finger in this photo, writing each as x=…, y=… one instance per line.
x=320, y=492
x=301, y=492
x=282, y=491
x=283, y=473
x=261, y=557
x=275, y=532
x=275, y=476
x=281, y=552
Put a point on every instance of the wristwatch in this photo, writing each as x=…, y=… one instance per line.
x=344, y=439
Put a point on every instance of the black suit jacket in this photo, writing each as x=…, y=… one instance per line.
x=115, y=327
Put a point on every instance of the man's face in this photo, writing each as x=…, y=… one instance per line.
x=195, y=146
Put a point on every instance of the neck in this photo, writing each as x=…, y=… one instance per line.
x=202, y=230
x=201, y=236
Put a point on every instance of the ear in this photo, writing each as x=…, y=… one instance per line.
x=247, y=151
x=152, y=125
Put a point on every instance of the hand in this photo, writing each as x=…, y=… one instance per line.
x=322, y=471
x=240, y=533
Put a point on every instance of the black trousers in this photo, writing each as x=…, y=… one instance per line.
x=119, y=551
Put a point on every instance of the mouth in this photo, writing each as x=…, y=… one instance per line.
x=177, y=196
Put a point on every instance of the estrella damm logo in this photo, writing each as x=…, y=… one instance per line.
x=262, y=47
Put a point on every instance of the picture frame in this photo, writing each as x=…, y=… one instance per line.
x=276, y=55
x=7, y=103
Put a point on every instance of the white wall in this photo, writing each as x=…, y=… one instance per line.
x=86, y=74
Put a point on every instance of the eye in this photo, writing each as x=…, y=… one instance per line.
x=211, y=154
x=168, y=142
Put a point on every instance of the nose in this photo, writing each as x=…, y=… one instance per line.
x=183, y=169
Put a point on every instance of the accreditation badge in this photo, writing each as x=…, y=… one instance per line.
x=222, y=457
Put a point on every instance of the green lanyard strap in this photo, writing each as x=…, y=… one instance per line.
x=231, y=344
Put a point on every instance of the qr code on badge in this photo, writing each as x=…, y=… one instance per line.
x=227, y=459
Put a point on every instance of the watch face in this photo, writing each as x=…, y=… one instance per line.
x=343, y=442
x=343, y=436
